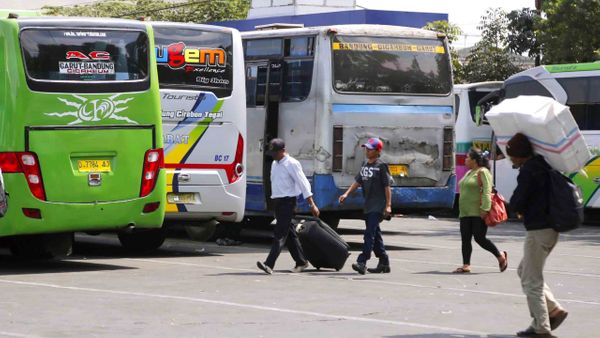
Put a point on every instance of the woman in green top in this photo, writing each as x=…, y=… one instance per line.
x=474, y=203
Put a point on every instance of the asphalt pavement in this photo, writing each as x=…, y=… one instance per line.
x=195, y=289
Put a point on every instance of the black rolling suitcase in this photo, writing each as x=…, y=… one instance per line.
x=322, y=246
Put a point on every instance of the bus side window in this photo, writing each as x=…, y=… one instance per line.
x=587, y=116
x=251, y=72
x=261, y=85
x=298, y=79
x=256, y=83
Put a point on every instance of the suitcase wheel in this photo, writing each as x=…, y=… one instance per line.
x=337, y=269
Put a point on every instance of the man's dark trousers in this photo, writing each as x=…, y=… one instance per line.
x=284, y=212
x=373, y=240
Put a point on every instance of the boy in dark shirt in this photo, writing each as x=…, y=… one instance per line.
x=374, y=178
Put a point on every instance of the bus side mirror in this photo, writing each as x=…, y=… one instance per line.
x=485, y=104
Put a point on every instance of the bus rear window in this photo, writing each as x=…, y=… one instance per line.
x=194, y=59
x=390, y=65
x=85, y=55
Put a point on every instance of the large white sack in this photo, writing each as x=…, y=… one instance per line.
x=549, y=125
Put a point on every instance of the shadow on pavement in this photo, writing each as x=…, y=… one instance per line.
x=452, y=273
x=104, y=250
x=448, y=335
x=14, y=266
x=357, y=246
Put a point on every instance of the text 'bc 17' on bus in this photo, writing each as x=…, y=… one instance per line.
x=326, y=90
x=200, y=70
x=81, y=142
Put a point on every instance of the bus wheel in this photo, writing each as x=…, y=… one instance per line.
x=44, y=246
x=142, y=240
x=258, y=221
x=202, y=231
x=331, y=220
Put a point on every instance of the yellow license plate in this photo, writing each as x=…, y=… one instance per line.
x=398, y=170
x=482, y=144
x=93, y=165
x=181, y=197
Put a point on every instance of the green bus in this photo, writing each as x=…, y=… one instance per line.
x=80, y=131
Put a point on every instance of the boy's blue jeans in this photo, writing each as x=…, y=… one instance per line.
x=373, y=240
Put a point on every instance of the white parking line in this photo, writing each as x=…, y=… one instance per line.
x=307, y=275
x=246, y=306
x=18, y=335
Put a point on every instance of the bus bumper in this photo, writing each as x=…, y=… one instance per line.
x=220, y=202
x=71, y=217
x=326, y=195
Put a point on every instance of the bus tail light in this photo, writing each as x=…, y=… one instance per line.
x=448, y=149
x=236, y=170
x=26, y=163
x=338, y=149
x=153, y=162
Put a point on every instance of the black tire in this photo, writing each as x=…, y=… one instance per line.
x=145, y=240
x=258, y=221
x=202, y=232
x=332, y=220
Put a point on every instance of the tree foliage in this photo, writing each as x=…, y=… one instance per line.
x=490, y=59
x=452, y=32
x=494, y=27
x=570, y=32
x=521, y=36
x=198, y=11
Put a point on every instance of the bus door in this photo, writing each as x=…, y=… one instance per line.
x=264, y=125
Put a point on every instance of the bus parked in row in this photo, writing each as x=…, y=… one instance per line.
x=326, y=90
x=574, y=85
x=81, y=145
x=202, y=90
x=470, y=132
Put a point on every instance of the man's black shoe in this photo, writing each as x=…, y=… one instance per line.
x=264, y=267
x=359, y=267
x=380, y=269
x=530, y=332
x=558, y=318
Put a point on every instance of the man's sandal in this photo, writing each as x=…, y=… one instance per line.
x=505, y=265
x=462, y=270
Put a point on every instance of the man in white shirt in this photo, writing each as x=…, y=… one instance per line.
x=287, y=182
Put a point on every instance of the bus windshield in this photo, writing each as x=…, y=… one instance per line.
x=390, y=65
x=194, y=59
x=85, y=55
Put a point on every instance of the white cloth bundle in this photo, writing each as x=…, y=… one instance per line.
x=549, y=126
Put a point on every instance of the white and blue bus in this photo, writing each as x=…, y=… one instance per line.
x=202, y=90
x=326, y=90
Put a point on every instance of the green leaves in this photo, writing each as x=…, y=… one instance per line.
x=197, y=11
x=490, y=59
x=570, y=33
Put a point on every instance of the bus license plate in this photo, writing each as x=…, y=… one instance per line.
x=181, y=197
x=93, y=165
x=398, y=170
x=483, y=145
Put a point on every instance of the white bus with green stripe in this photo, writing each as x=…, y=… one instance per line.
x=202, y=90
